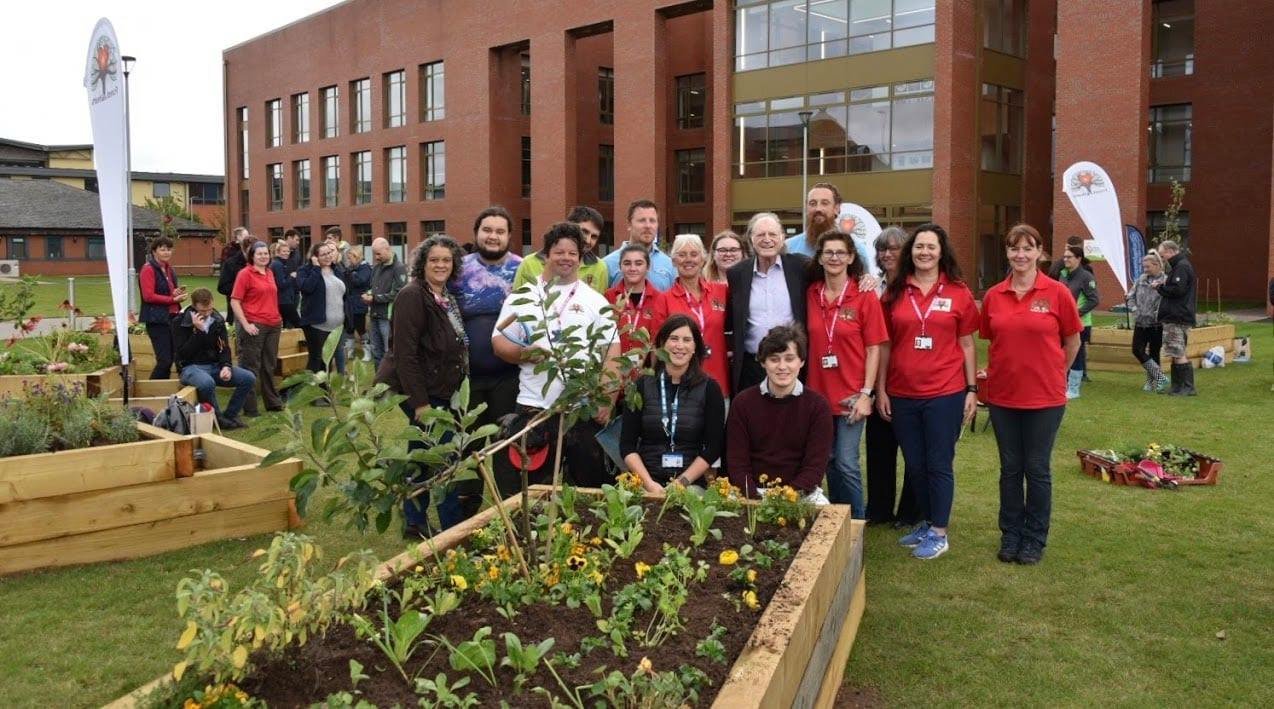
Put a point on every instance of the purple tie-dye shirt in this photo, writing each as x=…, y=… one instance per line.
x=481, y=290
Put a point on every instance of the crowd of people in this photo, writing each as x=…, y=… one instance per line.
x=777, y=356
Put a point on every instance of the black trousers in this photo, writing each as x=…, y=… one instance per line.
x=1025, y=439
x=314, y=341
x=753, y=373
x=882, y=476
x=291, y=318
x=1147, y=342
x=161, y=340
x=583, y=460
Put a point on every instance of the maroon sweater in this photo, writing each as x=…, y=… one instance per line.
x=788, y=438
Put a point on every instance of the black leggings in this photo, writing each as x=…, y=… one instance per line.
x=314, y=341
x=1081, y=359
x=161, y=340
x=1146, y=342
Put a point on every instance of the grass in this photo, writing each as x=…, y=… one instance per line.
x=1124, y=610
x=92, y=293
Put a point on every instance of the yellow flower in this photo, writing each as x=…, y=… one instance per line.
x=493, y=573
x=642, y=568
x=646, y=666
x=459, y=582
x=190, y=704
x=800, y=523
x=782, y=521
x=576, y=563
x=790, y=494
x=750, y=599
x=578, y=549
x=502, y=553
x=751, y=575
x=567, y=528
x=419, y=569
x=595, y=541
x=728, y=557
x=596, y=577
x=763, y=478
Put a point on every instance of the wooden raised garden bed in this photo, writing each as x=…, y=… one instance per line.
x=794, y=657
x=153, y=393
x=292, y=352
x=136, y=499
x=104, y=381
x=1110, y=349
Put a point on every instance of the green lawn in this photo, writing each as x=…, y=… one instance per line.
x=92, y=293
x=1125, y=610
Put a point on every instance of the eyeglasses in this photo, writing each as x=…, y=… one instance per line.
x=835, y=254
x=888, y=248
x=727, y=250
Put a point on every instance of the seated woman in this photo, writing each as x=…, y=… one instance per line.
x=680, y=427
x=634, y=299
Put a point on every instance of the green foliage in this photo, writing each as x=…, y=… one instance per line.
x=523, y=659
x=59, y=352
x=476, y=654
x=169, y=208
x=57, y=417
x=711, y=647
x=648, y=689
x=445, y=694
x=397, y=637
x=1172, y=219
x=702, y=509
x=16, y=302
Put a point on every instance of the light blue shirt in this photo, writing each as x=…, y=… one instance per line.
x=662, y=273
x=866, y=253
x=769, y=304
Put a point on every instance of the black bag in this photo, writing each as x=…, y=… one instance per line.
x=176, y=416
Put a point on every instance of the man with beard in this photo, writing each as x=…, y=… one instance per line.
x=822, y=210
x=643, y=230
x=592, y=270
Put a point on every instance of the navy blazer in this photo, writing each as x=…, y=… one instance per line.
x=739, y=278
x=309, y=281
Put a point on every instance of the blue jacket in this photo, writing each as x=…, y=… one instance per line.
x=309, y=281
x=357, y=282
x=284, y=281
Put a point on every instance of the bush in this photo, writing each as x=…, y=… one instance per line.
x=58, y=417
x=21, y=434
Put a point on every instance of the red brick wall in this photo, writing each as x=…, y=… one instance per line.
x=1041, y=86
x=192, y=256
x=955, y=155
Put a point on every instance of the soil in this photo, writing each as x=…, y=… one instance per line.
x=310, y=673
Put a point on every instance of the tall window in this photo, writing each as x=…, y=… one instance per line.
x=430, y=227
x=692, y=168
x=691, y=100
x=433, y=92
x=161, y=189
x=433, y=168
x=526, y=166
x=332, y=181
x=1170, y=131
x=606, y=173
x=606, y=95
x=243, y=140
x=396, y=174
x=396, y=234
x=275, y=171
x=527, y=239
x=331, y=111
x=301, y=176
x=363, y=234
x=273, y=123
x=360, y=105
x=53, y=248
x=526, y=84
x=395, y=99
x=779, y=32
x=95, y=249
x=362, y=177
x=17, y=247
x=1172, y=53
x=698, y=228
x=301, y=118
x=1004, y=26
x=1003, y=128
x=244, y=207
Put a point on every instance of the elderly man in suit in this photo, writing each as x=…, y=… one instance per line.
x=765, y=290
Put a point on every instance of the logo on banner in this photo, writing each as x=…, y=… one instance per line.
x=103, y=68
x=850, y=225
x=1086, y=180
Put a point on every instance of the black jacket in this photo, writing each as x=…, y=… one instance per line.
x=387, y=280
x=194, y=346
x=284, y=281
x=739, y=277
x=1179, y=292
x=426, y=358
x=357, y=282
x=235, y=262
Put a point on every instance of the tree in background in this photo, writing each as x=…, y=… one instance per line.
x=1171, y=225
x=169, y=208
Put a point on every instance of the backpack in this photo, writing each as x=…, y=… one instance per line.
x=176, y=416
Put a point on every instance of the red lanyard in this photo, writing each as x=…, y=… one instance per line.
x=911, y=295
x=631, y=314
x=830, y=323
x=561, y=308
x=696, y=307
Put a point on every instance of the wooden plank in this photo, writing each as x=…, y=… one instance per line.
x=835, y=675
x=29, y=477
x=156, y=387
x=222, y=452
x=106, y=381
x=146, y=539
x=829, y=633
x=291, y=340
x=87, y=512
x=183, y=448
x=17, y=384
x=287, y=365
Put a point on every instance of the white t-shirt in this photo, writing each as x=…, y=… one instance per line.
x=576, y=305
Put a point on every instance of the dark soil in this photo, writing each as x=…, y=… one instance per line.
x=310, y=673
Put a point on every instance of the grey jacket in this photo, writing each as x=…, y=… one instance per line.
x=1143, y=299
x=387, y=280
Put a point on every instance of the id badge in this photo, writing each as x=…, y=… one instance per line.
x=671, y=460
x=707, y=352
x=830, y=361
x=942, y=305
x=924, y=343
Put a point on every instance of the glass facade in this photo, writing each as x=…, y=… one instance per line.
x=206, y=192
x=1172, y=38
x=433, y=92
x=1170, y=133
x=301, y=118
x=433, y=167
x=1004, y=26
x=396, y=174
x=331, y=111
x=275, y=171
x=395, y=99
x=1002, y=126
x=362, y=177
x=692, y=96
x=273, y=123
x=301, y=174
x=868, y=129
x=332, y=181
x=779, y=32
x=360, y=108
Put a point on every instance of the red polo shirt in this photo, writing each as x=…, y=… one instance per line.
x=709, y=312
x=939, y=371
x=1027, y=367
x=637, y=316
x=855, y=321
x=259, y=295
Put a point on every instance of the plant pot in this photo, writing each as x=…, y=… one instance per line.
x=1095, y=466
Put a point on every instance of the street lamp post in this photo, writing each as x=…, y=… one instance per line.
x=133, y=296
x=805, y=163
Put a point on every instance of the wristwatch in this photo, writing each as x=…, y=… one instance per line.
x=867, y=392
x=972, y=388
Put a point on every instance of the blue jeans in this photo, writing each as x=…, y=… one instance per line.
x=844, y=473
x=380, y=339
x=205, y=379
x=1025, y=438
x=927, y=431
x=415, y=510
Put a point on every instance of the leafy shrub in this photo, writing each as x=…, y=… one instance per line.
x=58, y=417
x=19, y=434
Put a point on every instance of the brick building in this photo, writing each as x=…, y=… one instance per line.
x=400, y=119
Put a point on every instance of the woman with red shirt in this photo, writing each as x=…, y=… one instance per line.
x=846, y=330
x=161, y=302
x=633, y=298
x=1033, y=325
x=701, y=300
x=927, y=385
x=255, y=302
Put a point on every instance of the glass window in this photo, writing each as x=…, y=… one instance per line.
x=396, y=233
x=749, y=145
x=606, y=95
x=1157, y=222
x=95, y=248
x=692, y=95
x=1170, y=132
x=362, y=177
x=867, y=130
x=433, y=226
x=750, y=36
x=206, y=192
x=606, y=173
x=1003, y=128
x=527, y=239
x=331, y=111
x=828, y=28
x=1172, y=53
x=692, y=172
x=243, y=140
x=526, y=166
x=433, y=92
x=53, y=248
x=360, y=108
x=778, y=32
x=273, y=123
x=526, y=85
x=396, y=174
x=17, y=247
x=911, y=143
x=363, y=234
x=301, y=118
x=395, y=87
x=787, y=31
x=244, y=210
x=1004, y=26
x=301, y=173
x=433, y=165
x=275, y=172
x=331, y=181
x=161, y=189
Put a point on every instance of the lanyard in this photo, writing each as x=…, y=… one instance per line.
x=561, y=308
x=664, y=418
x=831, y=322
x=911, y=295
x=696, y=306
x=632, y=315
